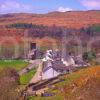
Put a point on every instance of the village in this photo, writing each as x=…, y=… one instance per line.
x=41, y=67
x=50, y=68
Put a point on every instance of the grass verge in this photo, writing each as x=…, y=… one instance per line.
x=25, y=78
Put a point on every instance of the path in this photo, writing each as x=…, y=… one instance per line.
x=32, y=65
x=37, y=77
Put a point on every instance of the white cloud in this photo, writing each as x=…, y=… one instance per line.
x=91, y=4
x=62, y=9
x=13, y=6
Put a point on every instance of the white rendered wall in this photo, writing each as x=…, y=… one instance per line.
x=49, y=74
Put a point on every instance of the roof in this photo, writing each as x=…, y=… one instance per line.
x=56, y=62
x=56, y=65
x=57, y=55
x=59, y=66
x=46, y=66
x=79, y=61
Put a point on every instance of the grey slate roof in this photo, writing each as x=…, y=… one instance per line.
x=57, y=66
x=46, y=66
x=79, y=61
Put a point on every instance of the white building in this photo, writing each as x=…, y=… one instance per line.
x=52, y=66
x=48, y=71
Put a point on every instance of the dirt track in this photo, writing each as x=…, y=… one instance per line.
x=37, y=77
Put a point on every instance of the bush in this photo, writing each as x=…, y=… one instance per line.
x=9, y=81
x=89, y=56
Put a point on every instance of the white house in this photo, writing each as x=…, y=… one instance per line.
x=48, y=71
x=53, y=67
x=68, y=62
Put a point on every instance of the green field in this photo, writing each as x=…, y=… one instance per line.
x=16, y=64
x=25, y=78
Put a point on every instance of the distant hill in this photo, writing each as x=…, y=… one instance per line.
x=85, y=24
x=71, y=19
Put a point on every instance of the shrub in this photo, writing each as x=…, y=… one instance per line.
x=9, y=81
x=89, y=56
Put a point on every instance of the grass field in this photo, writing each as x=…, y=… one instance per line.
x=25, y=78
x=16, y=64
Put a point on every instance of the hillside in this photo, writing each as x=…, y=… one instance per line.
x=45, y=29
x=80, y=85
x=72, y=19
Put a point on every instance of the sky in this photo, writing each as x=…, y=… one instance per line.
x=45, y=6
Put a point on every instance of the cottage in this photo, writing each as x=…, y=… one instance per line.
x=54, y=66
x=68, y=60
x=79, y=62
x=48, y=71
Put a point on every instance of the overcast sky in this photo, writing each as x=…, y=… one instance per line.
x=45, y=6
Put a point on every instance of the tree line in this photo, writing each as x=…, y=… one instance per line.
x=56, y=31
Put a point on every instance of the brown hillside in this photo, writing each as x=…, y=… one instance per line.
x=73, y=19
x=86, y=87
